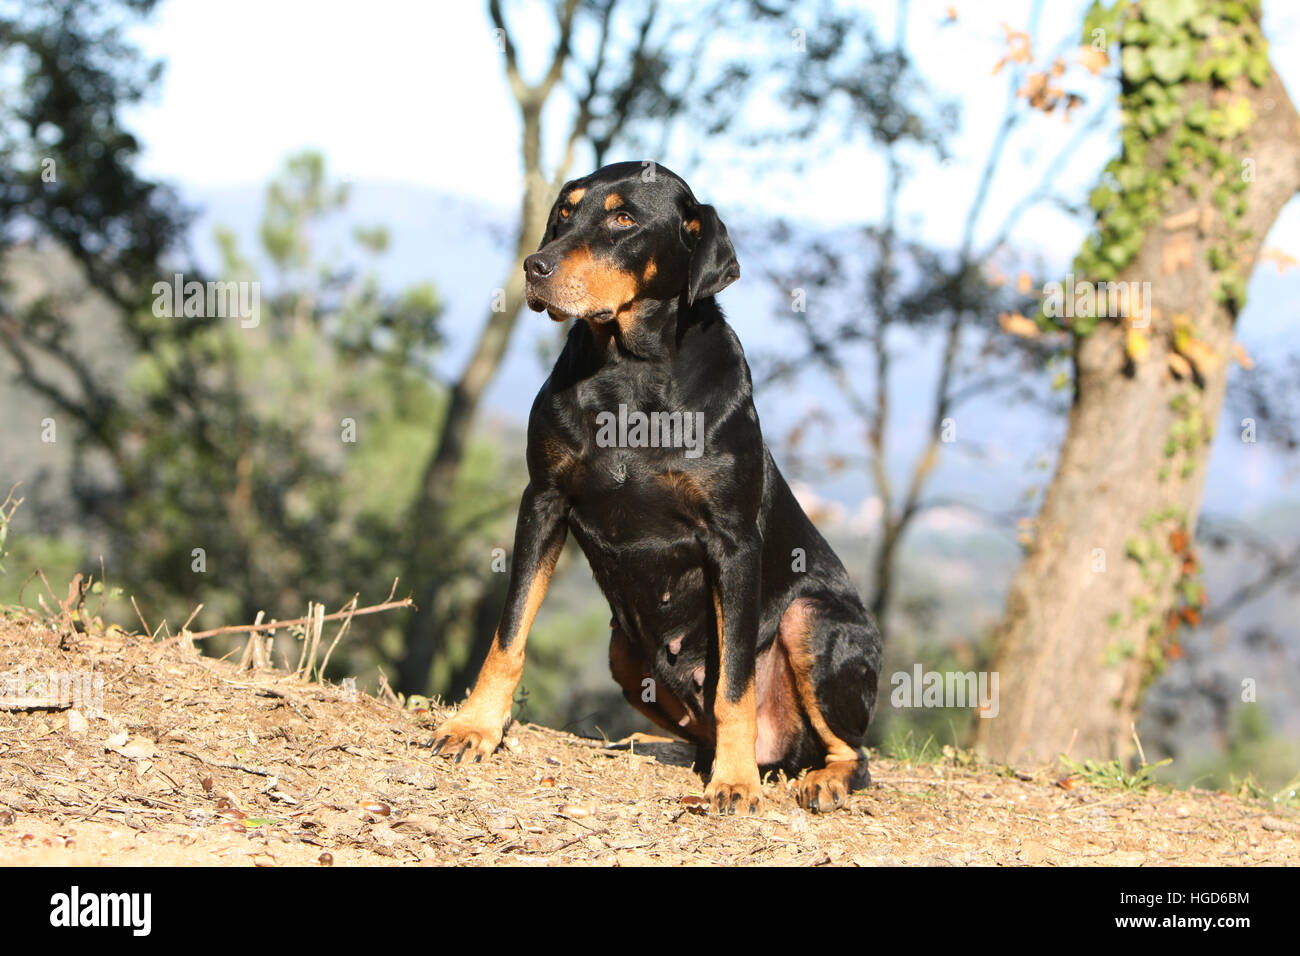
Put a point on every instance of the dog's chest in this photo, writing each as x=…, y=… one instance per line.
x=630, y=464
x=630, y=497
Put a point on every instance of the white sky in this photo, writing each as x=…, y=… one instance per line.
x=413, y=93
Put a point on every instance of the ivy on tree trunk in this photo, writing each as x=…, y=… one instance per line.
x=1210, y=155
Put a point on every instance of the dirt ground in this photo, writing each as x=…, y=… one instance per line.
x=195, y=762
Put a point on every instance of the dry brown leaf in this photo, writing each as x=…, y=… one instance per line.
x=1242, y=356
x=1040, y=92
x=1183, y=220
x=140, y=748
x=1093, y=60
x=1017, y=324
x=1179, y=365
x=1018, y=48
x=1207, y=218
x=1284, y=260
x=1201, y=355
x=1176, y=254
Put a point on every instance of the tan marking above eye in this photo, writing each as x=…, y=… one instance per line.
x=692, y=226
x=613, y=201
x=575, y=196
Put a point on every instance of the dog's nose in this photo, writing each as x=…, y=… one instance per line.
x=538, y=266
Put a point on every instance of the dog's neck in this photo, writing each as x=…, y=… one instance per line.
x=650, y=334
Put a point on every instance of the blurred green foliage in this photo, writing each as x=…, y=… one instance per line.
x=300, y=485
x=1256, y=758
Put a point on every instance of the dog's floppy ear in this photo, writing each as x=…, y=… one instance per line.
x=713, y=259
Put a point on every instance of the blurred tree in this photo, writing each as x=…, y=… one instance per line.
x=257, y=460
x=216, y=452
x=1210, y=153
x=296, y=488
x=858, y=296
x=67, y=180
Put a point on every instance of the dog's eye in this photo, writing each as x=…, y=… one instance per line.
x=623, y=219
x=564, y=213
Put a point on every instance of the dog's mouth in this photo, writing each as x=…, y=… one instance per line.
x=561, y=310
x=536, y=301
x=596, y=318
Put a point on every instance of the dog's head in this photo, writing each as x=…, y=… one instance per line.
x=624, y=240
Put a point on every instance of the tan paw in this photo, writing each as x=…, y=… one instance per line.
x=464, y=736
x=733, y=796
x=824, y=790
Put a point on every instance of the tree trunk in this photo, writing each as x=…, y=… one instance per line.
x=1089, y=611
x=420, y=642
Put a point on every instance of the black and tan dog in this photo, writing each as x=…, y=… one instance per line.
x=734, y=623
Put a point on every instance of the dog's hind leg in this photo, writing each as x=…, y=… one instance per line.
x=836, y=662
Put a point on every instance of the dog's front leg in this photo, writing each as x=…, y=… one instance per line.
x=735, y=785
x=539, y=537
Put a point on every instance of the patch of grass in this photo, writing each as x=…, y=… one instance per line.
x=1114, y=774
x=909, y=748
x=1256, y=757
x=1248, y=788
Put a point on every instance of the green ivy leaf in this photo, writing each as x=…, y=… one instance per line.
x=1198, y=116
x=1133, y=64
x=1100, y=198
x=1169, y=63
x=1134, y=32
x=1228, y=68
x=1169, y=15
x=1165, y=114
x=1101, y=17
x=1259, y=68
